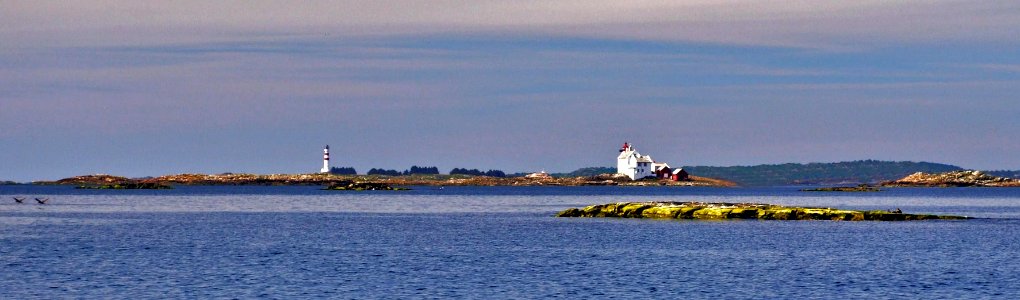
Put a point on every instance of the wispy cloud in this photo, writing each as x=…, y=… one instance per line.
x=710, y=81
x=794, y=23
x=1012, y=68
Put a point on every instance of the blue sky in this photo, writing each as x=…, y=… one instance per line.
x=142, y=89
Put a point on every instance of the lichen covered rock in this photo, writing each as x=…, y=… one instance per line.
x=953, y=179
x=720, y=211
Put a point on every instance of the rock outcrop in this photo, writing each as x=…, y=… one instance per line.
x=953, y=179
x=717, y=211
x=110, y=182
x=98, y=179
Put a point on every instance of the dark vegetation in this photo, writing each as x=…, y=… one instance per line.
x=8, y=183
x=414, y=170
x=375, y=171
x=1005, y=173
x=343, y=171
x=851, y=172
x=586, y=172
x=476, y=172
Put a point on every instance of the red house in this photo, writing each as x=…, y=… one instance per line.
x=680, y=175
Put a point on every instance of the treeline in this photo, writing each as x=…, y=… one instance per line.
x=476, y=172
x=414, y=170
x=861, y=171
x=375, y=171
x=587, y=172
x=1005, y=173
x=343, y=171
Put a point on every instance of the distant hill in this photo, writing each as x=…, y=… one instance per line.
x=850, y=172
x=1005, y=173
x=585, y=172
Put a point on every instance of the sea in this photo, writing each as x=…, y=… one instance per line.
x=287, y=242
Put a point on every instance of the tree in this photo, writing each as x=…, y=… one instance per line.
x=471, y=172
x=422, y=170
x=375, y=171
x=476, y=172
x=343, y=171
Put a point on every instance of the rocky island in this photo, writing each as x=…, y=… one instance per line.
x=718, y=211
x=110, y=182
x=953, y=179
x=323, y=179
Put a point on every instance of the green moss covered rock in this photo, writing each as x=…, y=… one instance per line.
x=719, y=211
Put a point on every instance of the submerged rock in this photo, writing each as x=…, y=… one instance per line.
x=363, y=186
x=127, y=186
x=859, y=188
x=717, y=211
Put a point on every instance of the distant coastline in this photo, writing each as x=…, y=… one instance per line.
x=852, y=173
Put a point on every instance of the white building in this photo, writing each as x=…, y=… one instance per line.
x=539, y=175
x=633, y=164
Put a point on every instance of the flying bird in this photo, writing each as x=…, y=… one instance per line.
x=19, y=200
x=42, y=201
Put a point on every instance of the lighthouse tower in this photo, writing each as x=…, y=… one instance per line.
x=325, y=160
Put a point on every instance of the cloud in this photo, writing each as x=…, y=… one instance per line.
x=1011, y=68
x=519, y=85
x=792, y=23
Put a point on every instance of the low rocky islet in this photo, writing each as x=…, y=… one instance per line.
x=721, y=211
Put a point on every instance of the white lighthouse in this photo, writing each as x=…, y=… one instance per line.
x=633, y=164
x=325, y=160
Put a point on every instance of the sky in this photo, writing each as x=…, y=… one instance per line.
x=148, y=88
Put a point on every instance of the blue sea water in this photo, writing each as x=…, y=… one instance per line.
x=496, y=242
